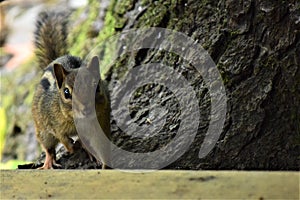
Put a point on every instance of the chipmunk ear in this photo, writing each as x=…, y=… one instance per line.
x=93, y=66
x=60, y=74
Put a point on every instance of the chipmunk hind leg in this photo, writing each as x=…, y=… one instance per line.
x=49, y=143
x=50, y=160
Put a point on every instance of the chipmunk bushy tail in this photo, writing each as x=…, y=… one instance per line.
x=51, y=37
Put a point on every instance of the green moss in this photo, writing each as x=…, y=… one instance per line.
x=109, y=27
x=115, y=15
x=120, y=23
x=107, y=32
x=79, y=40
x=81, y=44
x=154, y=15
x=123, y=6
x=144, y=2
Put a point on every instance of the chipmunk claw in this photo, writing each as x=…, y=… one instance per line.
x=49, y=163
x=50, y=166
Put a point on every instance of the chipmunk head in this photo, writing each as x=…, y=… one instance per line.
x=87, y=89
x=64, y=71
x=64, y=82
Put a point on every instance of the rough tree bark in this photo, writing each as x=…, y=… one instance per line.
x=255, y=44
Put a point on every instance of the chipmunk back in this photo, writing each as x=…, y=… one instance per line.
x=52, y=103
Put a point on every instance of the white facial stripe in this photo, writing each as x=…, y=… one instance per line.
x=49, y=76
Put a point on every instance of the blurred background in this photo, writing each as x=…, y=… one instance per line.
x=18, y=70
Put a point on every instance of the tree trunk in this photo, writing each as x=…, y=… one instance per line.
x=255, y=45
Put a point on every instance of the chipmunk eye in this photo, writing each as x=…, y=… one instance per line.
x=67, y=93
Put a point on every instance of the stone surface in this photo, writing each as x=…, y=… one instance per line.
x=111, y=184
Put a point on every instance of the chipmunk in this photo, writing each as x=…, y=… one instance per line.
x=52, y=102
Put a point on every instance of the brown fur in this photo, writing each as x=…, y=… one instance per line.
x=51, y=108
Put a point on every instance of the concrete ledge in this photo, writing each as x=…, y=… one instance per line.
x=113, y=184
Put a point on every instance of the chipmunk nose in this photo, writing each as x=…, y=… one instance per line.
x=86, y=112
